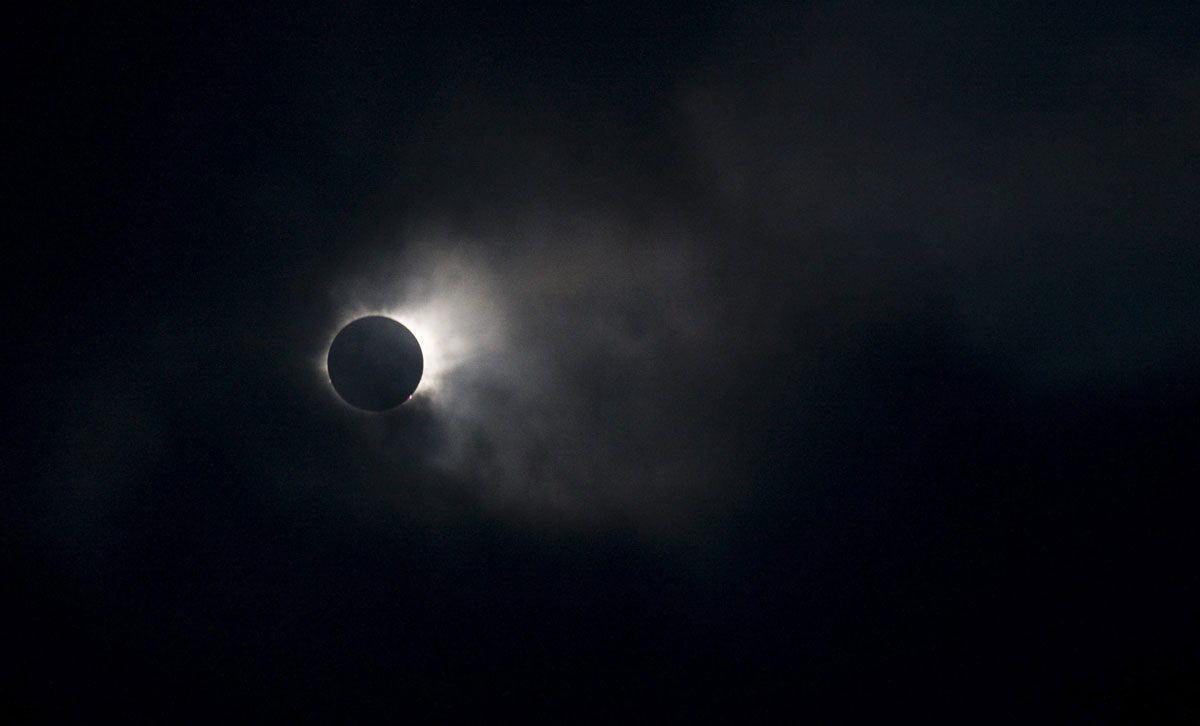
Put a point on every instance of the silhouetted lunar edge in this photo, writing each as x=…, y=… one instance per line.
x=375, y=363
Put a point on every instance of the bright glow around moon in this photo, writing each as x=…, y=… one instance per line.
x=560, y=366
x=445, y=302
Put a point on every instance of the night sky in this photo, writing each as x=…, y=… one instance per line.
x=784, y=363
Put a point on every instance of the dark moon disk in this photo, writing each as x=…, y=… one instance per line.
x=375, y=363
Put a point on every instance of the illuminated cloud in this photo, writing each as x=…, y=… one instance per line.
x=568, y=369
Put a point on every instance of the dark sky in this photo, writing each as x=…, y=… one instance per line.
x=784, y=361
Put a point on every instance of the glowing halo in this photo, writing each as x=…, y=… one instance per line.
x=445, y=304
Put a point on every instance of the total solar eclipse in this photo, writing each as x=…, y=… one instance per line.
x=375, y=363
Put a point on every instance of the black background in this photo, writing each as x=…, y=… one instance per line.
x=849, y=362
